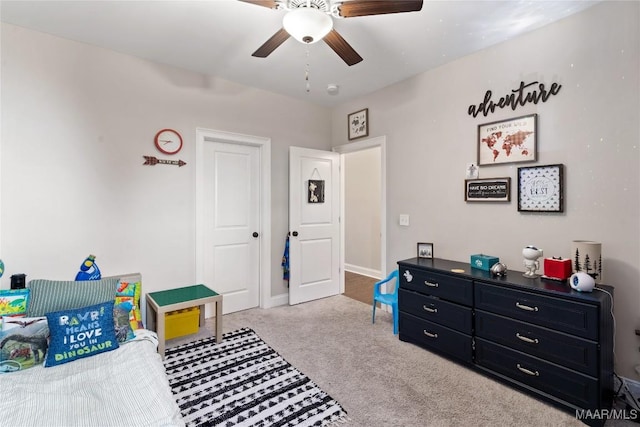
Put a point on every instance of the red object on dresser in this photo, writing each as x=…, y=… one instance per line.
x=557, y=268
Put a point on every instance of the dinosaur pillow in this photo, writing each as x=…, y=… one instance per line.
x=79, y=333
x=13, y=302
x=23, y=343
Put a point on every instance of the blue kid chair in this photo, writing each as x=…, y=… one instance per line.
x=390, y=298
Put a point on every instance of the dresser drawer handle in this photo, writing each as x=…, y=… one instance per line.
x=527, y=339
x=429, y=309
x=528, y=372
x=429, y=334
x=526, y=307
x=433, y=285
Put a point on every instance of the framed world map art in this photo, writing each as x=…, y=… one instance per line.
x=540, y=188
x=508, y=141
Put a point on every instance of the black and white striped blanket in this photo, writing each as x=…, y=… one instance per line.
x=244, y=382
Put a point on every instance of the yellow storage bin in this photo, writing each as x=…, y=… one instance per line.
x=181, y=322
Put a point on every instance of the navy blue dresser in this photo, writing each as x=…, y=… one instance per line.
x=537, y=335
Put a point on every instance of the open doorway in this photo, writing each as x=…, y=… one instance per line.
x=364, y=216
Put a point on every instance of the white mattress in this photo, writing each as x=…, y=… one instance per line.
x=124, y=387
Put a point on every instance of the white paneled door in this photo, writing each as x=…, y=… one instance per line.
x=231, y=211
x=314, y=224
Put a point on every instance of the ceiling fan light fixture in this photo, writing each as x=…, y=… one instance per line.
x=307, y=25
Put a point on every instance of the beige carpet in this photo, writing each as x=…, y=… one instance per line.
x=382, y=381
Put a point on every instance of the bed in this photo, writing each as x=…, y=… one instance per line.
x=122, y=387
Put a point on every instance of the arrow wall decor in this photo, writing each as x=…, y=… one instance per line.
x=152, y=161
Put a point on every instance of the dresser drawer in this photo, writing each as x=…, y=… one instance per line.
x=567, y=316
x=436, y=337
x=433, y=309
x=566, y=350
x=449, y=287
x=570, y=386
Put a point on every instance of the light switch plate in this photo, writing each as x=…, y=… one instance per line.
x=404, y=220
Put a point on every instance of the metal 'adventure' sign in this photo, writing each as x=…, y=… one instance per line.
x=520, y=96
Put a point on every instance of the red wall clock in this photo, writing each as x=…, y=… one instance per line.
x=168, y=141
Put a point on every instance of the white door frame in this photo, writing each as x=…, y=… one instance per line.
x=264, y=145
x=379, y=141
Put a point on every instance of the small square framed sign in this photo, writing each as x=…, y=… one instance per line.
x=358, y=124
x=540, y=188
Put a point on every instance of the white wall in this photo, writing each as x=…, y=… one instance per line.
x=76, y=121
x=362, y=211
x=592, y=127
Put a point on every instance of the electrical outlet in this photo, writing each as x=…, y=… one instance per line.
x=404, y=220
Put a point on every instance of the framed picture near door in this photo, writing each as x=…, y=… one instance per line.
x=358, y=123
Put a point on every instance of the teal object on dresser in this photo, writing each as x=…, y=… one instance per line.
x=536, y=335
x=483, y=262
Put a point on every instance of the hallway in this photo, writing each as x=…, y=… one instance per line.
x=359, y=287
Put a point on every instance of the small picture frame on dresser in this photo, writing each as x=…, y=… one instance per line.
x=425, y=250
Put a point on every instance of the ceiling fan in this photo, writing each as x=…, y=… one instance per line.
x=310, y=21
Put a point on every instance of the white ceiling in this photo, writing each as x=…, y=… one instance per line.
x=217, y=37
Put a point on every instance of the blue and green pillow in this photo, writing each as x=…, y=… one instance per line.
x=81, y=332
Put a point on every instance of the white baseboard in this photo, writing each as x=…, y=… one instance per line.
x=369, y=272
x=283, y=299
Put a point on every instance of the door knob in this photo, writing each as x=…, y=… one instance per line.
x=255, y=234
x=295, y=233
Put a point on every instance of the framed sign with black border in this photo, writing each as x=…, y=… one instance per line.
x=487, y=190
x=316, y=191
x=540, y=188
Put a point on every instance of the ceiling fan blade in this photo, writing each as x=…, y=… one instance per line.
x=271, y=4
x=350, y=9
x=270, y=45
x=342, y=48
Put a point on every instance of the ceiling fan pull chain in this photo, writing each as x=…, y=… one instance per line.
x=306, y=73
